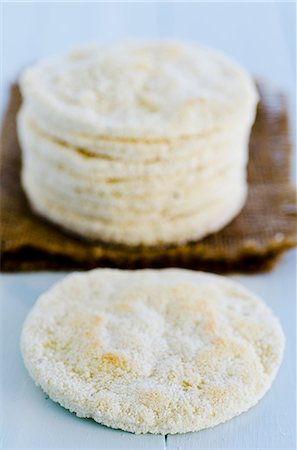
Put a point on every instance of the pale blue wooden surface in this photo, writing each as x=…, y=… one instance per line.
x=30, y=420
x=261, y=37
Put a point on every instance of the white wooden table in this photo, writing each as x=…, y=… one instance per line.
x=261, y=37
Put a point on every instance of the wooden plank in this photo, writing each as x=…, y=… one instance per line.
x=30, y=419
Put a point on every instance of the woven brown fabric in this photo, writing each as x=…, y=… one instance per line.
x=252, y=242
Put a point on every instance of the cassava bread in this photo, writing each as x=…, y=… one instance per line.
x=168, y=351
x=159, y=126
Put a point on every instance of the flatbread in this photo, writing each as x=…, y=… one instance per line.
x=205, y=155
x=140, y=90
x=167, y=351
x=131, y=149
x=148, y=229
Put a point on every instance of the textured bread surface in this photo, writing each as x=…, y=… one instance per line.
x=139, y=90
x=167, y=351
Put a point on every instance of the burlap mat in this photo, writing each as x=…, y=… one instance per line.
x=252, y=242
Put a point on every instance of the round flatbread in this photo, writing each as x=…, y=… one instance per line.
x=132, y=149
x=80, y=163
x=166, y=351
x=139, y=90
x=160, y=229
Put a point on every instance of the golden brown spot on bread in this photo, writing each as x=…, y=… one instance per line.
x=96, y=320
x=220, y=342
x=113, y=360
x=152, y=396
x=76, y=371
x=186, y=384
x=122, y=307
x=157, y=401
x=51, y=345
x=218, y=395
x=85, y=320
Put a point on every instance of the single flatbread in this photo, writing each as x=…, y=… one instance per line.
x=158, y=229
x=167, y=351
x=129, y=149
x=122, y=209
x=123, y=197
x=205, y=155
x=139, y=90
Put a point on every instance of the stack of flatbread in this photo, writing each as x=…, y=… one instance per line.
x=137, y=143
